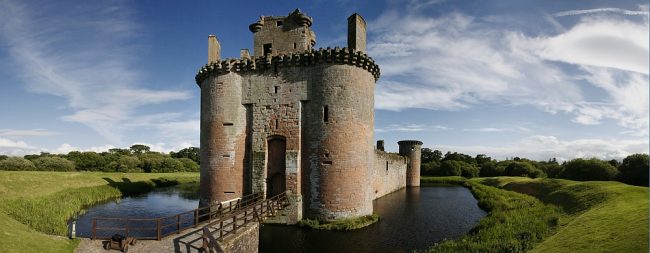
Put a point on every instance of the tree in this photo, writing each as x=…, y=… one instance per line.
x=2, y=157
x=88, y=161
x=450, y=168
x=491, y=169
x=523, y=168
x=125, y=164
x=551, y=168
x=16, y=164
x=119, y=151
x=588, y=170
x=191, y=153
x=634, y=170
x=481, y=159
x=189, y=165
x=169, y=164
x=138, y=149
x=151, y=162
x=53, y=164
x=469, y=170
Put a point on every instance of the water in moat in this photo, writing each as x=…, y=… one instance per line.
x=411, y=219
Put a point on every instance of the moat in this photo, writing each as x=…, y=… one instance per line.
x=411, y=219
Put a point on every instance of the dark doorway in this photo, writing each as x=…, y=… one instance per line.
x=276, y=166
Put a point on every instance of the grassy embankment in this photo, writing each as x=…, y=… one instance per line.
x=563, y=216
x=34, y=206
x=343, y=224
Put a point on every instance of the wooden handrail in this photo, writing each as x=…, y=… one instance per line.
x=194, y=217
x=230, y=223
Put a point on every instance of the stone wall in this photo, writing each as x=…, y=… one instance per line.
x=246, y=240
x=389, y=173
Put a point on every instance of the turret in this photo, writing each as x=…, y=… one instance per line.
x=412, y=150
x=357, y=33
x=214, y=49
x=276, y=35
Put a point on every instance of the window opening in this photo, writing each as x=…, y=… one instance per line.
x=279, y=23
x=267, y=48
x=326, y=113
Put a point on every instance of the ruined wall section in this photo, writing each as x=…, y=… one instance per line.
x=223, y=138
x=389, y=173
x=284, y=35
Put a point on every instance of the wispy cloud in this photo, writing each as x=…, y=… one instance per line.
x=26, y=132
x=498, y=129
x=87, y=55
x=540, y=147
x=599, y=10
x=410, y=128
x=456, y=62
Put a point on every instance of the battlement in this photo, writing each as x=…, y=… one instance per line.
x=335, y=55
x=409, y=142
x=276, y=35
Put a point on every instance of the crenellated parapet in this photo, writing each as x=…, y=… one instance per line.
x=335, y=55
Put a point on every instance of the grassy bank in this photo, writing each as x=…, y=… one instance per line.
x=37, y=204
x=553, y=215
x=343, y=224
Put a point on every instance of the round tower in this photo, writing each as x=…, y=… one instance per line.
x=412, y=150
x=223, y=132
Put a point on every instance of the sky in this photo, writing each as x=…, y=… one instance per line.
x=505, y=78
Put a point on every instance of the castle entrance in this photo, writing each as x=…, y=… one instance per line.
x=276, y=166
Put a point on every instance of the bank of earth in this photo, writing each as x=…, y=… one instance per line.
x=34, y=206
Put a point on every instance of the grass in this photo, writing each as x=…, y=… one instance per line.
x=343, y=224
x=554, y=215
x=36, y=205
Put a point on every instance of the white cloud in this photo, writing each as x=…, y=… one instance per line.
x=456, y=62
x=498, y=129
x=598, y=10
x=26, y=132
x=87, y=55
x=410, y=128
x=540, y=147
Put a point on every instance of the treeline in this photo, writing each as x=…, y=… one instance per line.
x=632, y=170
x=138, y=158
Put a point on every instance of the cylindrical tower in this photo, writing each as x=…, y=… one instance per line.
x=412, y=150
x=223, y=136
x=343, y=96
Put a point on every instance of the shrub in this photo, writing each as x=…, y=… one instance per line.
x=16, y=163
x=450, y=168
x=588, y=170
x=169, y=164
x=189, y=164
x=523, y=169
x=53, y=164
x=469, y=170
x=634, y=170
x=89, y=161
x=125, y=164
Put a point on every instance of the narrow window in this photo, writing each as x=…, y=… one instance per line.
x=267, y=48
x=276, y=123
x=227, y=124
x=229, y=192
x=326, y=113
x=386, y=166
x=295, y=45
x=275, y=89
x=279, y=23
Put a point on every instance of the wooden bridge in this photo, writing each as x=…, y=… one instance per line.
x=217, y=221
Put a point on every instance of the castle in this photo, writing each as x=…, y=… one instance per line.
x=289, y=117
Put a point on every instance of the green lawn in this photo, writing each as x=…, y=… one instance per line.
x=34, y=206
x=592, y=216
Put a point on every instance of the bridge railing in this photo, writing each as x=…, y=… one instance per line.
x=158, y=228
x=229, y=224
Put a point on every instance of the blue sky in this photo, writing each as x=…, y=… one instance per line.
x=535, y=79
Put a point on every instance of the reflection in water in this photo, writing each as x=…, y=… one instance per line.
x=160, y=202
x=411, y=219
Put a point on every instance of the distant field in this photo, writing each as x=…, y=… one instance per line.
x=595, y=216
x=34, y=206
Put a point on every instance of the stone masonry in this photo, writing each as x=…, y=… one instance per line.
x=292, y=118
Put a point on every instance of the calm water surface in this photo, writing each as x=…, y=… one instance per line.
x=411, y=219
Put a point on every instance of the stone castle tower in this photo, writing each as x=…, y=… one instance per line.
x=292, y=118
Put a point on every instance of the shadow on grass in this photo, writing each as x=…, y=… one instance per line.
x=130, y=188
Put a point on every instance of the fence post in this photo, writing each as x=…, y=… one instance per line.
x=158, y=228
x=178, y=224
x=221, y=229
x=94, y=229
x=196, y=217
